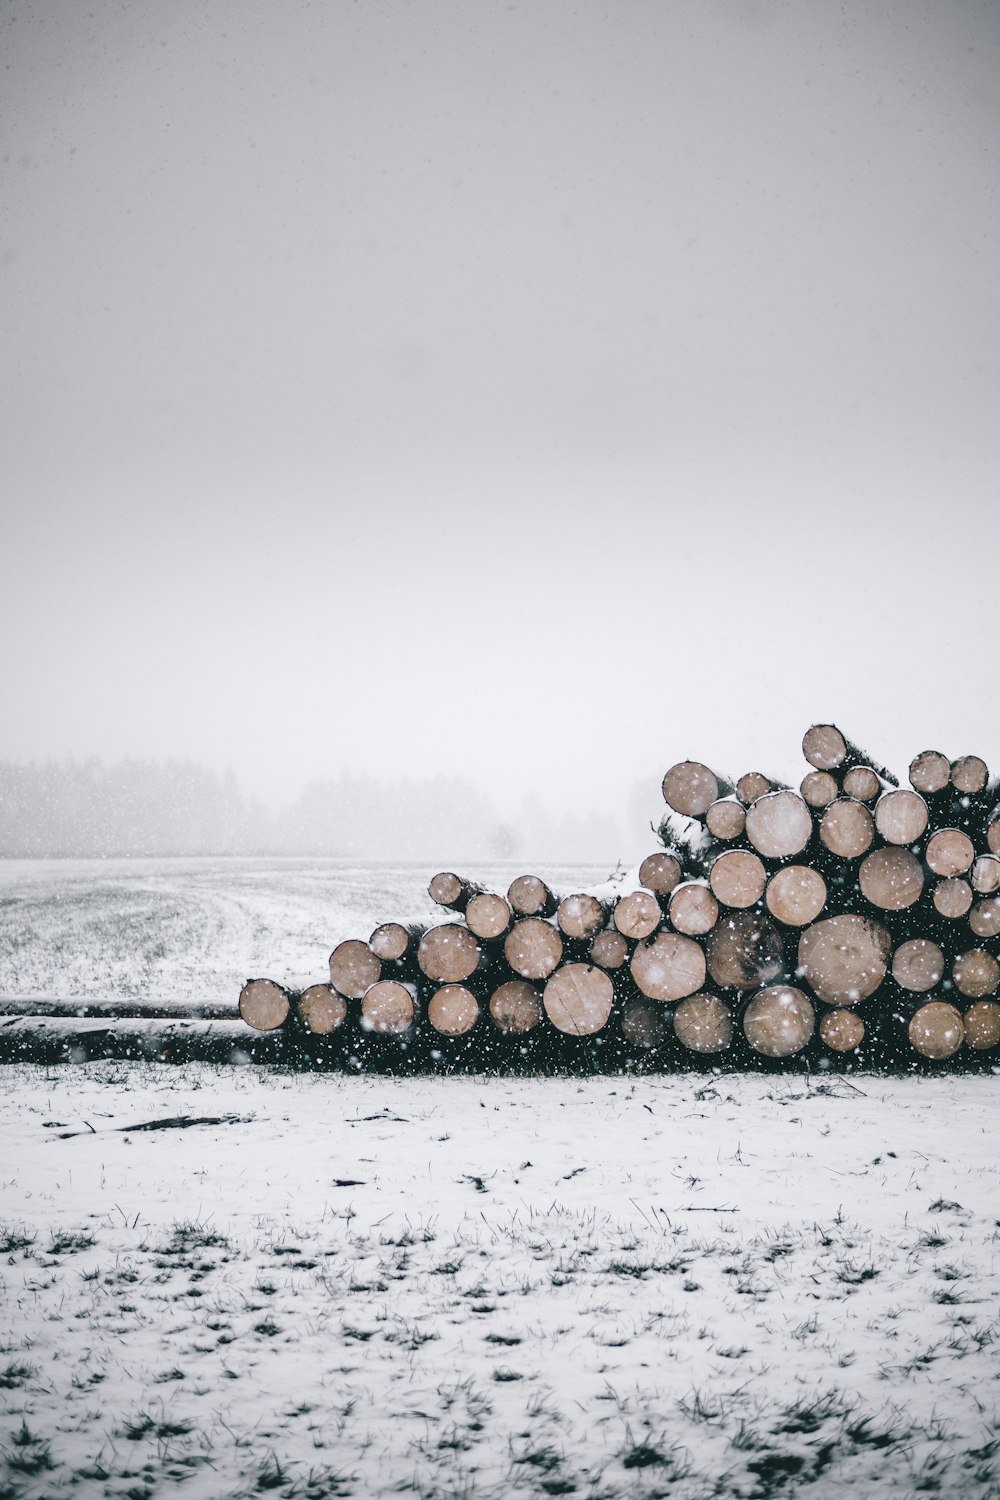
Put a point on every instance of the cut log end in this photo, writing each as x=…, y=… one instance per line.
x=842, y=1030
x=668, y=966
x=779, y=1021
x=891, y=879
x=353, y=968
x=578, y=999
x=704, y=1023
x=976, y=974
x=533, y=948
x=982, y=1025
x=824, y=747
x=693, y=909
x=847, y=828
x=969, y=775
x=930, y=772
x=609, y=949
x=690, y=788
x=453, y=1010
x=796, y=895
x=918, y=965
x=388, y=1008
x=321, y=1009
x=937, y=1030
x=726, y=819
x=264, y=1005
x=844, y=959
x=390, y=941
x=779, y=825
x=950, y=852
x=637, y=915
x=448, y=954
x=488, y=915
x=516, y=1007
x=581, y=916
x=659, y=873
x=818, y=789
x=901, y=816
x=529, y=896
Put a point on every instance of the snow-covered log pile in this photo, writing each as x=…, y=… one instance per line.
x=852, y=921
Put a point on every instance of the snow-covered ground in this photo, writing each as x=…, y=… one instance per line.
x=238, y=1281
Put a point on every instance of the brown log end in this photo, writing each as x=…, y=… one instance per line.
x=891, y=879
x=796, y=895
x=264, y=1005
x=388, y=1008
x=693, y=909
x=659, y=873
x=578, y=999
x=704, y=1023
x=516, y=1006
x=668, y=966
x=609, y=949
x=844, y=959
x=841, y=1030
x=453, y=1010
x=918, y=965
x=738, y=878
x=533, y=948
x=976, y=974
x=779, y=1021
x=901, y=816
x=390, y=941
x=936, y=1030
x=580, y=916
x=448, y=954
x=824, y=747
x=637, y=915
x=930, y=772
x=690, y=788
x=321, y=1009
x=529, y=896
x=982, y=1025
x=488, y=916
x=353, y=968
x=779, y=825
x=744, y=951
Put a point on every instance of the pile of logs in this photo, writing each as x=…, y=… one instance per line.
x=852, y=919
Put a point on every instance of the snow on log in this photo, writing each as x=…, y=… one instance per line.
x=264, y=1005
x=578, y=999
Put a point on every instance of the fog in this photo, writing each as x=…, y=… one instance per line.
x=528, y=396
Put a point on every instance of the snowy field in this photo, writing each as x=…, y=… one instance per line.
x=232, y=1281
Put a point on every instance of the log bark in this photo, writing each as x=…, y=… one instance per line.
x=448, y=954
x=637, y=915
x=353, y=968
x=982, y=1025
x=451, y=891
x=488, y=916
x=744, y=951
x=737, y=879
x=529, y=896
x=901, y=816
x=796, y=895
x=779, y=825
x=516, y=1007
x=609, y=949
x=659, y=873
x=952, y=899
x=936, y=1030
x=950, y=852
x=779, y=1021
x=969, y=775
x=891, y=879
x=453, y=1010
x=818, y=789
x=693, y=909
x=976, y=974
x=321, y=1009
x=930, y=772
x=582, y=916
x=690, y=788
x=841, y=1030
x=533, y=948
x=264, y=1005
x=704, y=1023
x=388, y=1008
x=578, y=999
x=918, y=965
x=847, y=828
x=668, y=966
x=844, y=959
x=726, y=819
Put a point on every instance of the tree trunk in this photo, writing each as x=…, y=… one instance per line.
x=737, y=878
x=936, y=1030
x=796, y=895
x=530, y=897
x=779, y=1021
x=744, y=951
x=844, y=959
x=488, y=916
x=353, y=967
x=516, y=1007
x=690, y=788
x=668, y=966
x=388, y=1008
x=580, y=917
x=264, y=1005
x=779, y=825
x=448, y=954
x=637, y=915
x=533, y=948
x=704, y=1023
x=451, y=891
x=693, y=909
x=453, y=1010
x=321, y=1009
x=847, y=828
x=578, y=999
x=918, y=965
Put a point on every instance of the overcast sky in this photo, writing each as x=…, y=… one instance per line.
x=544, y=392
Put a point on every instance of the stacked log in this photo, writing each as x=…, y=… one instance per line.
x=851, y=920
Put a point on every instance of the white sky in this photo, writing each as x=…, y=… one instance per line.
x=545, y=392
